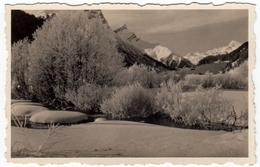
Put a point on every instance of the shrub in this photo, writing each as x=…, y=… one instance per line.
x=168, y=98
x=241, y=119
x=207, y=80
x=189, y=88
x=193, y=79
x=227, y=81
x=206, y=109
x=231, y=81
x=88, y=97
x=145, y=76
x=181, y=74
x=242, y=70
x=129, y=102
x=19, y=70
x=176, y=76
x=209, y=110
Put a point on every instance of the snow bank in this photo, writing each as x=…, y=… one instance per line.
x=63, y=117
x=21, y=110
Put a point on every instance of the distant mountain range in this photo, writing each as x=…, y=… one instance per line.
x=223, y=62
x=233, y=59
x=196, y=57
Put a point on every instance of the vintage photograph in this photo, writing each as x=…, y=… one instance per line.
x=129, y=83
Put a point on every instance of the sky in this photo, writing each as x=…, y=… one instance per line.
x=184, y=31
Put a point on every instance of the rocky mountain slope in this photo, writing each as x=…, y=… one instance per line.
x=154, y=50
x=23, y=25
x=196, y=57
x=125, y=34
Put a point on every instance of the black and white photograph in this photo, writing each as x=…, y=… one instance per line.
x=130, y=83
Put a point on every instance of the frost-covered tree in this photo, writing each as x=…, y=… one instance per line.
x=71, y=49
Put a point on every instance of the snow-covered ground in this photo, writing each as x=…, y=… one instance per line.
x=132, y=139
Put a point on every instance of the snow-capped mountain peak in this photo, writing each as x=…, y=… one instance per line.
x=164, y=55
x=162, y=52
x=196, y=57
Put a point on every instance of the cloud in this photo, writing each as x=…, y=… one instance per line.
x=194, y=19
